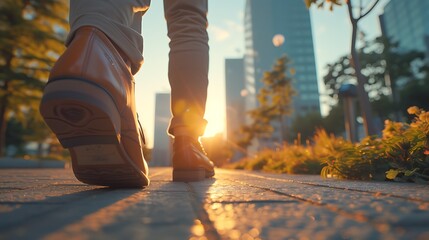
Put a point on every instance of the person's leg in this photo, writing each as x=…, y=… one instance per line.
x=120, y=20
x=88, y=101
x=188, y=75
x=188, y=65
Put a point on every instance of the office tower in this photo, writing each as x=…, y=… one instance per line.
x=427, y=45
x=407, y=23
x=274, y=28
x=290, y=20
x=235, y=94
x=161, y=154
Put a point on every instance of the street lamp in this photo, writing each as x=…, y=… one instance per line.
x=348, y=93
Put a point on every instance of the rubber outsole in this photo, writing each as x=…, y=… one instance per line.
x=86, y=121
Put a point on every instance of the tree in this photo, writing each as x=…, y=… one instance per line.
x=397, y=65
x=275, y=97
x=31, y=39
x=366, y=110
x=342, y=72
x=378, y=60
x=275, y=103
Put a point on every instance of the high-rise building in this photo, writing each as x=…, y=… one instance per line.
x=407, y=23
x=427, y=45
x=161, y=154
x=274, y=28
x=235, y=93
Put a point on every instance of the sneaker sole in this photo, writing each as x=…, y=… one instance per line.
x=86, y=121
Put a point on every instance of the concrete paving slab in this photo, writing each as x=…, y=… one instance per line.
x=51, y=204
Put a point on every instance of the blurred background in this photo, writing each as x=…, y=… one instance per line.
x=279, y=70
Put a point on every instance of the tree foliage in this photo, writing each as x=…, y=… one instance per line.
x=356, y=13
x=31, y=39
x=383, y=67
x=379, y=61
x=275, y=103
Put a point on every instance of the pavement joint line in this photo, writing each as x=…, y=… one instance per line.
x=353, y=216
x=69, y=184
x=32, y=187
x=339, y=188
x=165, y=191
x=32, y=203
x=49, y=185
x=109, y=210
x=210, y=230
x=81, y=213
x=255, y=201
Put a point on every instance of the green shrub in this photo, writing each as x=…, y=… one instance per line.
x=407, y=148
x=401, y=154
x=293, y=159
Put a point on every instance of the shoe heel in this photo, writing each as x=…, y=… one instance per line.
x=80, y=113
x=86, y=120
x=194, y=175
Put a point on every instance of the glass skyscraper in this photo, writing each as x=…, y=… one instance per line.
x=235, y=94
x=291, y=20
x=407, y=23
x=161, y=154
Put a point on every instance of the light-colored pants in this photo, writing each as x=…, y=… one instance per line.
x=121, y=20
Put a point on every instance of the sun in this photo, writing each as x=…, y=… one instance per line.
x=216, y=121
x=213, y=128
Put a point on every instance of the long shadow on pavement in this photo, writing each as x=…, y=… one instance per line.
x=164, y=210
x=38, y=218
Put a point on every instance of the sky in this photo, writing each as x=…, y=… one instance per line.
x=331, y=39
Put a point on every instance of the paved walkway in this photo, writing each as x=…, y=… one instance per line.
x=51, y=204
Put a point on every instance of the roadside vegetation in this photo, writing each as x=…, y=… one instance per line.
x=401, y=154
x=388, y=82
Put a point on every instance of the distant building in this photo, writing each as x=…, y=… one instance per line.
x=407, y=23
x=290, y=22
x=235, y=94
x=427, y=45
x=161, y=154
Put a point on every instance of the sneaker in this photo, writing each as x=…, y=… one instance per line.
x=89, y=104
x=190, y=161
